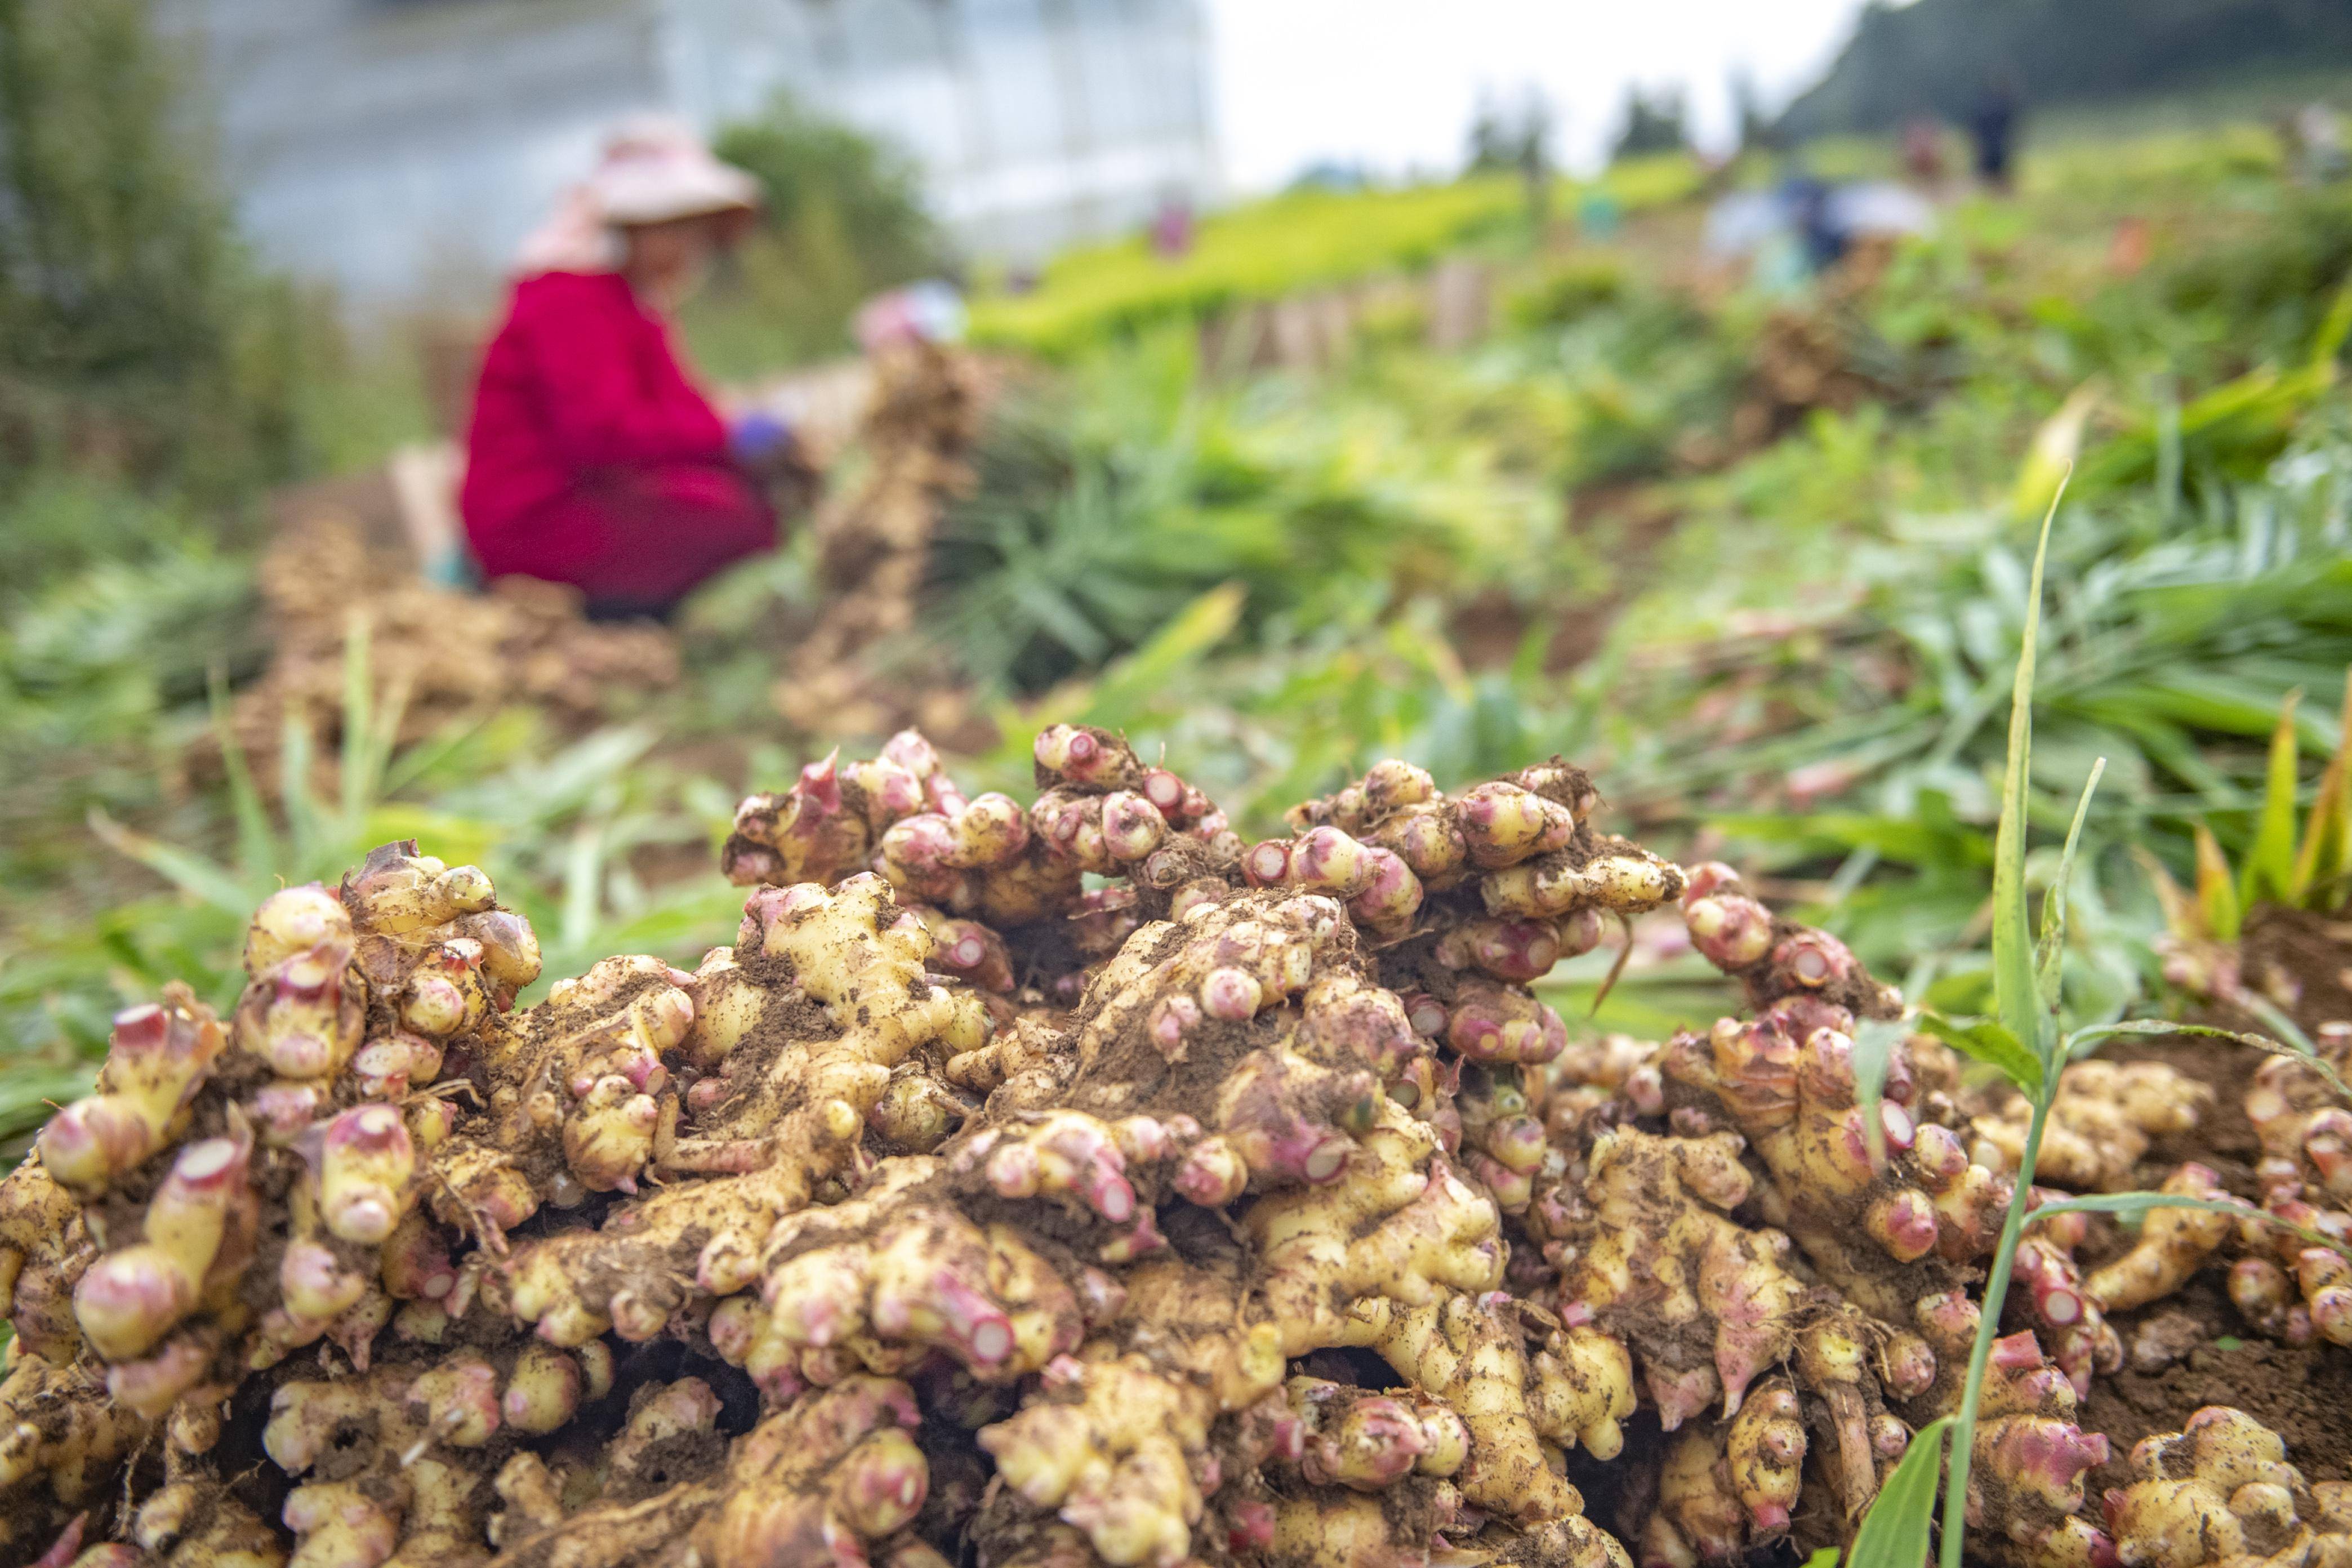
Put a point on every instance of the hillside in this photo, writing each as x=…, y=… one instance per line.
x=1940, y=55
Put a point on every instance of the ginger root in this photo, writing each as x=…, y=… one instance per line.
x=1057, y=1183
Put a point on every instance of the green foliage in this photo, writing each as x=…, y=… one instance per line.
x=844, y=218
x=1105, y=506
x=558, y=829
x=1299, y=240
x=116, y=609
x=1285, y=244
x=2305, y=865
x=134, y=337
x=2026, y=1043
x=1894, y=1532
x=1568, y=291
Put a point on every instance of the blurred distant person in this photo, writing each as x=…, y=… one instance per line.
x=2313, y=141
x=931, y=311
x=1171, y=229
x=1993, y=126
x=592, y=458
x=2129, y=247
x=1815, y=216
x=1923, y=151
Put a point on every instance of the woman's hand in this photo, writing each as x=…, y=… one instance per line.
x=761, y=442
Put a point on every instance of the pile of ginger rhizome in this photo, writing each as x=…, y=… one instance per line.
x=1071, y=1182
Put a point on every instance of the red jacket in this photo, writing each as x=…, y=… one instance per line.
x=591, y=459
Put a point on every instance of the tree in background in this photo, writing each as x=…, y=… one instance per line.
x=1755, y=127
x=844, y=219
x=1515, y=144
x=136, y=341
x=1652, y=124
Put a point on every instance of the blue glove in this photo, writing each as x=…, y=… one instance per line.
x=757, y=437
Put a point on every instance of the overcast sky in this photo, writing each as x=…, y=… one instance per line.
x=1394, y=83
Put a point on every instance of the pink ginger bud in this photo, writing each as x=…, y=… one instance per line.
x=90, y=1141
x=916, y=846
x=1513, y=949
x=151, y=1385
x=1171, y=1017
x=1517, y=1142
x=460, y=1401
x=992, y=831
x=127, y=1300
x=364, y=1532
x=292, y=921
x=301, y=1028
x=1233, y=994
x=1249, y=1527
x=367, y=1165
x=1814, y=958
x=1501, y=823
x=415, y=1262
x=1391, y=893
x=1212, y=1175
x=1374, y=1446
x=1903, y=1223
x=1132, y=827
x=975, y=1325
x=1168, y=792
x=1426, y=1013
x=2057, y=1300
x=446, y=992
x=388, y=1066
x=819, y=786
x=1327, y=860
x=1511, y=1189
x=1937, y=1151
x=154, y=1062
x=543, y=1391
x=1267, y=865
x=1679, y=1396
x=1730, y=931
x=1141, y=1240
x=1068, y=749
x=315, y=1285
x=285, y=1110
x=881, y=1486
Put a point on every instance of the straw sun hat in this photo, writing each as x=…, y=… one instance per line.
x=654, y=169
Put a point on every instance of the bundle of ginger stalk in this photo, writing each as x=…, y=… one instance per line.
x=1071, y=1182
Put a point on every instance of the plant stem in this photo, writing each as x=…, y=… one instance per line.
x=1964, y=1430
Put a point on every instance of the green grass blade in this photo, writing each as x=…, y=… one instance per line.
x=2268, y=875
x=1989, y=1041
x=2138, y=1206
x=2217, y=894
x=2052, y=947
x=2325, y=861
x=1874, y=1040
x=1996, y=1292
x=306, y=837
x=1894, y=1534
x=191, y=873
x=356, y=707
x=2328, y=342
x=258, y=849
x=2016, y=996
x=2081, y=1040
x=584, y=883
